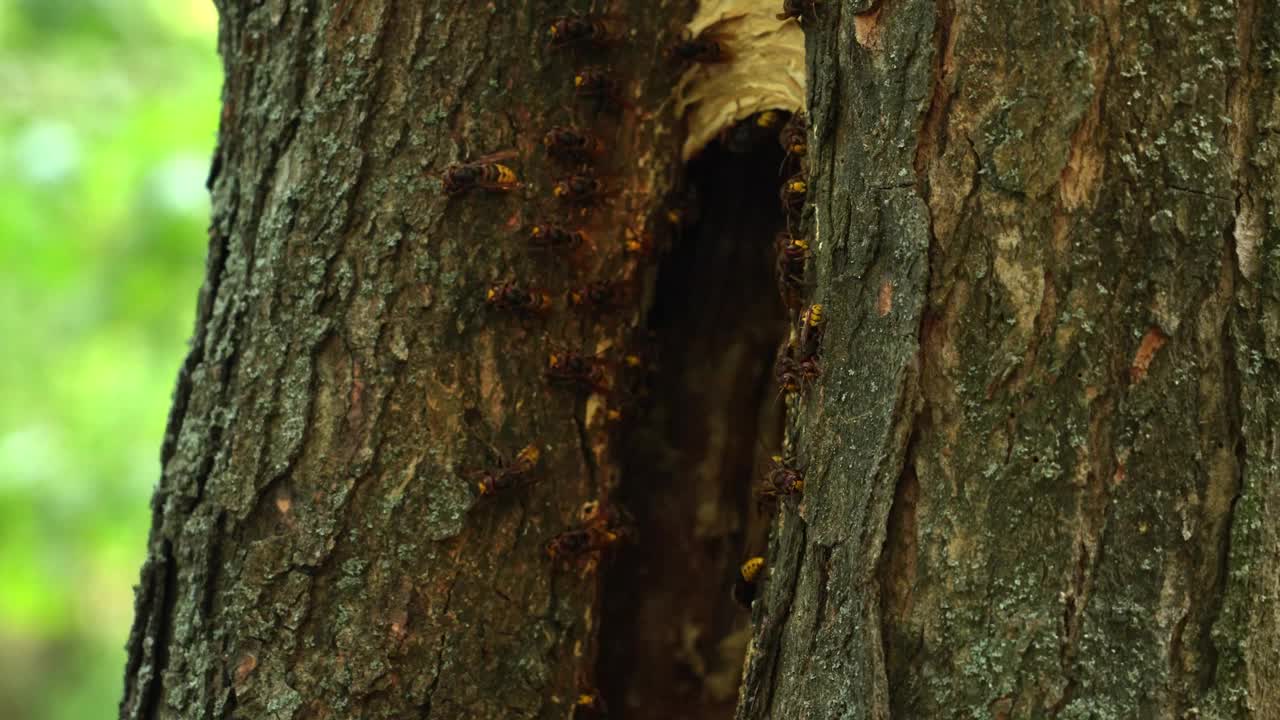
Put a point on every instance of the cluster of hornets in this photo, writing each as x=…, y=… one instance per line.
x=797, y=364
x=601, y=526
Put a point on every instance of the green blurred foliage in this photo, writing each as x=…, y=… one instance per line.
x=106, y=131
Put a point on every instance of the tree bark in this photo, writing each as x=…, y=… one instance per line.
x=1043, y=457
x=1042, y=462
x=318, y=549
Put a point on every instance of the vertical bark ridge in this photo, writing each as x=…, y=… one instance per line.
x=870, y=236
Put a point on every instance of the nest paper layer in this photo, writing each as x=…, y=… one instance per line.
x=765, y=70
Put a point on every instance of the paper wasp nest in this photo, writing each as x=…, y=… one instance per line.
x=765, y=69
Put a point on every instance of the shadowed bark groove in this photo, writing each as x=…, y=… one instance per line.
x=672, y=640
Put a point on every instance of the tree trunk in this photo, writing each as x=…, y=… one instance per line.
x=318, y=548
x=1041, y=461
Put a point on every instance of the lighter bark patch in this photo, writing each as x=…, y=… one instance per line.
x=1085, y=161
x=247, y=663
x=1243, y=136
x=355, y=410
x=1170, y=615
x=1025, y=285
x=866, y=28
x=765, y=70
x=491, y=388
x=1147, y=349
x=596, y=407
x=284, y=505
x=1248, y=234
x=399, y=629
x=289, y=167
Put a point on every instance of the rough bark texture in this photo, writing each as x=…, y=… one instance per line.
x=1043, y=463
x=1042, y=460
x=318, y=550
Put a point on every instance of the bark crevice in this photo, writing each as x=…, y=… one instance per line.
x=671, y=640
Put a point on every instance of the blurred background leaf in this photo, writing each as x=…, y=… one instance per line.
x=106, y=131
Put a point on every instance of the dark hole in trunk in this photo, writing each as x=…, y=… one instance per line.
x=671, y=639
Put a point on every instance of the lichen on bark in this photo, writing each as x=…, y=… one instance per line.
x=1041, y=460
x=1045, y=497
x=318, y=548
